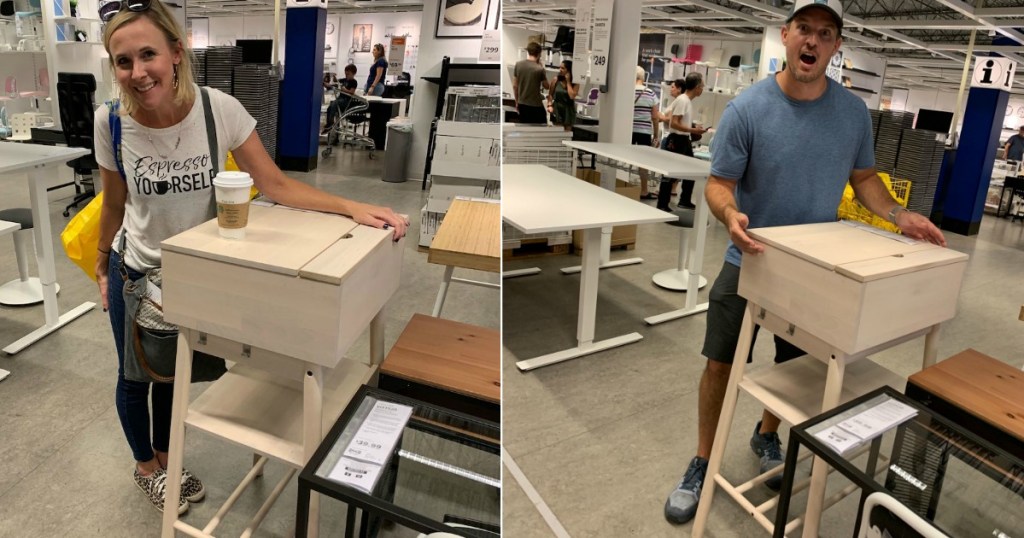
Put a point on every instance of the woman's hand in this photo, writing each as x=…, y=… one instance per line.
x=101, y=277
x=380, y=217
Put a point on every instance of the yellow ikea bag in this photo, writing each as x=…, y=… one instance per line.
x=81, y=237
x=231, y=165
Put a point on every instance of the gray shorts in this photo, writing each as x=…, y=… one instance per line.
x=725, y=317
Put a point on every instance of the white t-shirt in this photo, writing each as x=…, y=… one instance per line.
x=682, y=106
x=169, y=196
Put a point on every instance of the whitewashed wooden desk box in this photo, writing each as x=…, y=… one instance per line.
x=851, y=287
x=840, y=292
x=285, y=304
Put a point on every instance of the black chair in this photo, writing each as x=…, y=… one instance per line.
x=75, y=95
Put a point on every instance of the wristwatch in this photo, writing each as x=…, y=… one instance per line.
x=895, y=211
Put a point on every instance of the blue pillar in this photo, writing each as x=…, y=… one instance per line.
x=302, y=91
x=964, y=201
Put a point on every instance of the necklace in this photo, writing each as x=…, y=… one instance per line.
x=177, y=142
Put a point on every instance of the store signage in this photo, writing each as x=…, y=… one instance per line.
x=396, y=56
x=602, y=40
x=581, y=44
x=993, y=72
x=490, y=46
x=834, y=70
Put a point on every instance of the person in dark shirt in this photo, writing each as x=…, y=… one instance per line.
x=375, y=80
x=346, y=86
x=1014, y=148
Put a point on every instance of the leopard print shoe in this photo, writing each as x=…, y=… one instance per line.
x=191, y=488
x=155, y=488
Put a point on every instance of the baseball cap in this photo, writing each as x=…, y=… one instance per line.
x=835, y=7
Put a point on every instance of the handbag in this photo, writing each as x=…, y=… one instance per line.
x=150, y=343
x=81, y=236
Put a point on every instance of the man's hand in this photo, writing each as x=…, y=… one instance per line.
x=737, y=224
x=918, y=227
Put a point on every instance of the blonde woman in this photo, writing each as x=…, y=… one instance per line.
x=166, y=189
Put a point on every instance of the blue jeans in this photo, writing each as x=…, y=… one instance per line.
x=130, y=397
x=378, y=90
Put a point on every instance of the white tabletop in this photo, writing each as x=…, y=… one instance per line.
x=375, y=99
x=656, y=160
x=538, y=199
x=15, y=156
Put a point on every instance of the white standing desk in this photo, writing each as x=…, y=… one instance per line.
x=534, y=201
x=687, y=274
x=41, y=164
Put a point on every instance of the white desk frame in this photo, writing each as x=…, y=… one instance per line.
x=533, y=200
x=41, y=163
x=687, y=275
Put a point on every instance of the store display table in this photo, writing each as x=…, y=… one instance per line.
x=687, y=274
x=41, y=164
x=451, y=364
x=445, y=469
x=538, y=199
x=469, y=237
x=841, y=292
x=935, y=467
x=978, y=392
x=285, y=304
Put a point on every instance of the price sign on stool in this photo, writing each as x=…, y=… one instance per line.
x=379, y=432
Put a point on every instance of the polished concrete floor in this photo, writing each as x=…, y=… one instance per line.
x=66, y=468
x=603, y=439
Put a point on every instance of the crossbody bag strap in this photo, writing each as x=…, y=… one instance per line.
x=211, y=131
x=114, y=120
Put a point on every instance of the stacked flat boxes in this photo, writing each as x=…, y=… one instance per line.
x=466, y=162
x=533, y=144
x=920, y=161
x=257, y=86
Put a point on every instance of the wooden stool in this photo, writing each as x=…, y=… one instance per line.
x=469, y=237
x=447, y=363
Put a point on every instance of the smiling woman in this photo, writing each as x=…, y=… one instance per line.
x=158, y=149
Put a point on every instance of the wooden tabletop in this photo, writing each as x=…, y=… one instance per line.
x=469, y=236
x=985, y=387
x=453, y=356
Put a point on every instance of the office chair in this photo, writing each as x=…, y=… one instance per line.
x=344, y=132
x=76, y=102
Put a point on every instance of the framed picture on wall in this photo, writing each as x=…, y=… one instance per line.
x=362, y=37
x=462, y=18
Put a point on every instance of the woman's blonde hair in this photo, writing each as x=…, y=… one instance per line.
x=160, y=16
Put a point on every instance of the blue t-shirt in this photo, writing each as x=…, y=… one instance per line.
x=382, y=63
x=791, y=159
x=1016, y=152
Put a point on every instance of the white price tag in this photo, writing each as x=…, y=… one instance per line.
x=602, y=40
x=490, y=46
x=358, y=474
x=581, y=45
x=396, y=56
x=379, y=432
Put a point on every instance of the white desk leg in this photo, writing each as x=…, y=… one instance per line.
x=176, y=450
x=931, y=346
x=312, y=432
x=4, y=374
x=377, y=337
x=695, y=260
x=587, y=312
x=443, y=291
x=604, y=249
x=739, y=364
x=819, y=469
x=41, y=233
x=520, y=272
x=44, y=244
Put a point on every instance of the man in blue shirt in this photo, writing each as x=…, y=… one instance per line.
x=784, y=151
x=1014, y=149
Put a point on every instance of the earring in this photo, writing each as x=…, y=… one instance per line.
x=175, y=82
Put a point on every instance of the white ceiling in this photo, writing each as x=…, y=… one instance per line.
x=925, y=41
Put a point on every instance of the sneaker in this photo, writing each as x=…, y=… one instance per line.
x=191, y=488
x=681, y=505
x=768, y=447
x=154, y=486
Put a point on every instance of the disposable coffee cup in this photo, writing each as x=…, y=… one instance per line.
x=232, y=193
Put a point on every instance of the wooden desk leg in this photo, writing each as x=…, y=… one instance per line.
x=443, y=291
x=176, y=450
x=931, y=346
x=377, y=337
x=819, y=470
x=312, y=431
x=725, y=420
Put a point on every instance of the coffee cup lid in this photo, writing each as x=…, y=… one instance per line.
x=232, y=179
